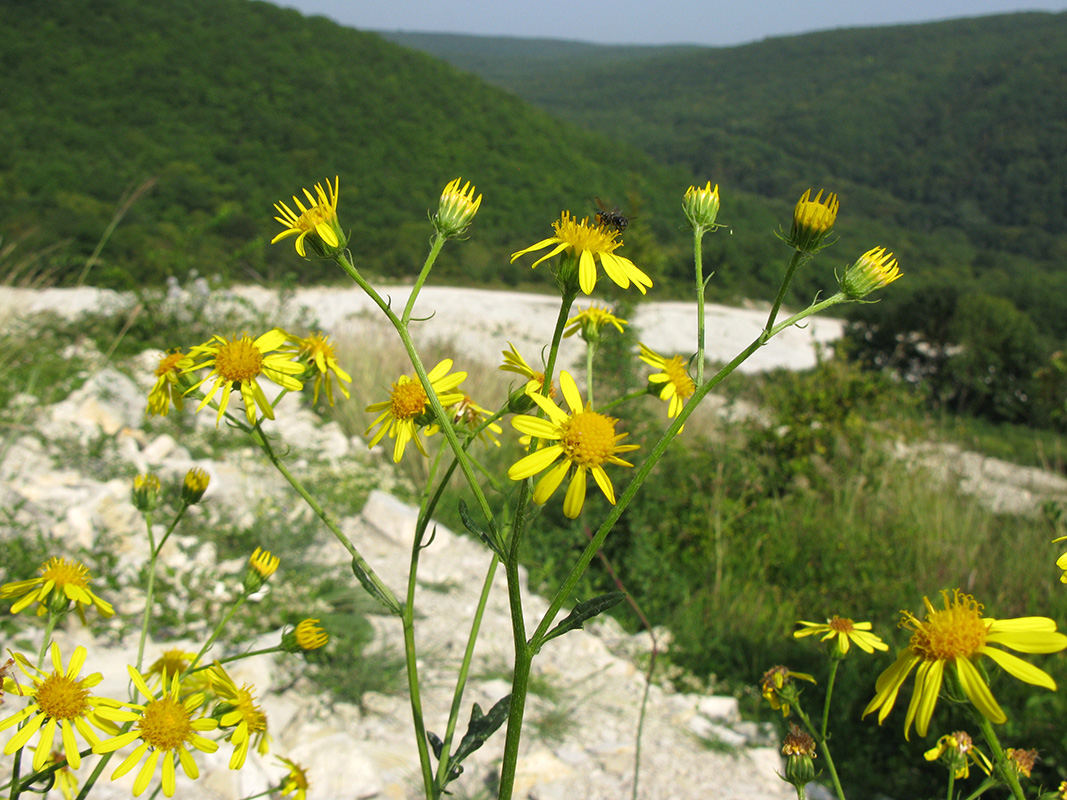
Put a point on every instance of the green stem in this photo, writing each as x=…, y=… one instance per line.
x=435, y=249
x=149, y=599
x=825, y=748
x=240, y=601
x=408, y=619
x=799, y=257
x=698, y=261
x=590, y=349
x=834, y=663
x=1000, y=761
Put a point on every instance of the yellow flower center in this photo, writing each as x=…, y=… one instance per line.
x=315, y=345
x=675, y=370
x=239, y=360
x=841, y=625
x=948, y=633
x=589, y=438
x=407, y=399
x=66, y=573
x=165, y=724
x=583, y=236
x=313, y=217
x=169, y=363
x=62, y=698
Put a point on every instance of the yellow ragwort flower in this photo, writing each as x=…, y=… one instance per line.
x=146, y=491
x=261, y=565
x=589, y=244
x=590, y=322
x=677, y=385
x=535, y=381
x=173, y=662
x=238, y=363
x=296, y=782
x=1061, y=562
x=456, y=210
x=955, y=636
x=320, y=218
x=319, y=355
x=778, y=688
x=468, y=416
x=701, y=207
x=959, y=751
x=843, y=631
x=309, y=636
x=194, y=485
x=238, y=709
x=61, y=583
x=167, y=390
x=165, y=727
x=408, y=407
x=584, y=438
x=1022, y=761
x=60, y=699
x=813, y=220
x=875, y=269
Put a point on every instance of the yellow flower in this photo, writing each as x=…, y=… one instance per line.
x=584, y=438
x=1022, y=761
x=813, y=220
x=195, y=484
x=958, y=750
x=956, y=636
x=535, y=381
x=677, y=385
x=146, y=490
x=261, y=565
x=456, y=210
x=590, y=322
x=238, y=709
x=61, y=583
x=168, y=388
x=318, y=353
x=306, y=636
x=173, y=662
x=296, y=782
x=589, y=243
x=407, y=408
x=701, y=206
x=779, y=690
x=468, y=415
x=320, y=218
x=60, y=700
x=843, y=631
x=165, y=728
x=66, y=780
x=238, y=363
x=875, y=269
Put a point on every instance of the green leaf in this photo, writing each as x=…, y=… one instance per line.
x=481, y=727
x=475, y=527
x=584, y=611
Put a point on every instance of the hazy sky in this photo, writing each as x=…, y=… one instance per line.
x=649, y=21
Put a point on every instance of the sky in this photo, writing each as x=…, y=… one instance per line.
x=705, y=22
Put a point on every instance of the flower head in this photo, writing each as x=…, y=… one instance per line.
x=956, y=636
x=320, y=357
x=237, y=709
x=146, y=490
x=408, y=407
x=675, y=385
x=61, y=584
x=261, y=565
x=60, y=699
x=1061, y=562
x=799, y=749
x=456, y=210
x=295, y=783
x=238, y=363
x=587, y=244
x=535, y=381
x=843, y=631
x=701, y=207
x=584, y=439
x=194, y=485
x=779, y=690
x=1022, y=761
x=319, y=218
x=166, y=727
x=169, y=385
x=307, y=635
x=590, y=322
x=958, y=751
x=173, y=662
x=469, y=416
x=875, y=269
x=812, y=221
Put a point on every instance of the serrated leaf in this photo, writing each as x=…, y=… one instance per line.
x=481, y=727
x=585, y=611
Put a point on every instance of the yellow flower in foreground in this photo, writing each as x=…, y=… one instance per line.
x=317, y=352
x=167, y=390
x=237, y=709
x=701, y=206
x=238, y=363
x=296, y=782
x=959, y=751
x=588, y=244
x=408, y=406
x=61, y=583
x=59, y=700
x=875, y=269
x=677, y=385
x=956, y=636
x=456, y=210
x=813, y=220
x=165, y=728
x=844, y=631
x=584, y=438
x=779, y=690
x=320, y=218
x=591, y=321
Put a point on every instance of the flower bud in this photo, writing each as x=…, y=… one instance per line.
x=812, y=221
x=193, y=487
x=701, y=207
x=799, y=749
x=873, y=270
x=146, y=491
x=307, y=635
x=260, y=567
x=456, y=210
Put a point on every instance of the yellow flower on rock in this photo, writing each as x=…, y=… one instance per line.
x=591, y=321
x=955, y=636
x=61, y=583
x=238, y=363
x=60, y=700
x=958, y=751
x=296, y=782
x=844, y=631
x=589, y=244
x=237, y=709
x=677, y=385
x=407, y=408
x=320, y=218
x=166, y=728
x=167, y=390
x=584, y=439
x=319, y=354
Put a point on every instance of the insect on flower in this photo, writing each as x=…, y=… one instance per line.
x=7, y=671
x=611, y=219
